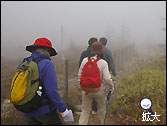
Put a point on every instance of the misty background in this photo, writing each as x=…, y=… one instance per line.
x=122, y=22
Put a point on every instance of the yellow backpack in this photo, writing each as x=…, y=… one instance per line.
x=27, y=88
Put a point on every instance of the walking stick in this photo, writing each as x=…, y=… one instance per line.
x=108, y=102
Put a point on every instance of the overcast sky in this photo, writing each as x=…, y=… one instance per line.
x=24, y=21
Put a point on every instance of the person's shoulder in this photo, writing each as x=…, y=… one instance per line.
x=87, y=50
x=107, y=49
x=85, y=59
x=46, y=61
x=102, y=61
x=83, y=52
x=108, y=52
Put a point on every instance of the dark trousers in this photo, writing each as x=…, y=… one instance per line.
x=94, y=105
x=51, y=118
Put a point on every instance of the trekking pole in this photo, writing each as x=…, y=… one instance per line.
x=107, y=104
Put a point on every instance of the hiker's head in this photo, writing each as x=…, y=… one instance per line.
x=103, y=41
x=43, y=43
x=97, y=48
x=92, y=40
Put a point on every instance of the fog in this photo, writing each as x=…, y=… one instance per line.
x=121, y=22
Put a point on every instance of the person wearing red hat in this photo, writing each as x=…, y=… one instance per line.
x=48, y=113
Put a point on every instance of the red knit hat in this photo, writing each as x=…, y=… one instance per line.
x=42, y=42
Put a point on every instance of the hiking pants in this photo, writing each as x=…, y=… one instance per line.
x=87, y=105
x=51, y=118
x=94, y=104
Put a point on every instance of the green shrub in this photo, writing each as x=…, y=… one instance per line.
x=149, y=81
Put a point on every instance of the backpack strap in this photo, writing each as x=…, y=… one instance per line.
x=38, y=59
x=35, y=59
x=98, y=59
x=89, y=59
x=26, y=59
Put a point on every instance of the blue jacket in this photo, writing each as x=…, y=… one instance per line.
x=48, y=75
x=110, y=61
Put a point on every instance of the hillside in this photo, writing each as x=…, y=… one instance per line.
x=149, y=81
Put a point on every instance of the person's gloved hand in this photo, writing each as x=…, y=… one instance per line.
x=64, y=113
x=109, y=93
x=67, y=115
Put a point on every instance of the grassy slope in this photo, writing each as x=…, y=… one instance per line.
x=149, y=81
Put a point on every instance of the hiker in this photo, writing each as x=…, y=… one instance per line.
x=97, y=51
x=48, y=113
x=107, y=57
x=87, y=51
x=84, y=54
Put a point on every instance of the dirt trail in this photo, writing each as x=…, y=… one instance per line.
x=125, y=68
